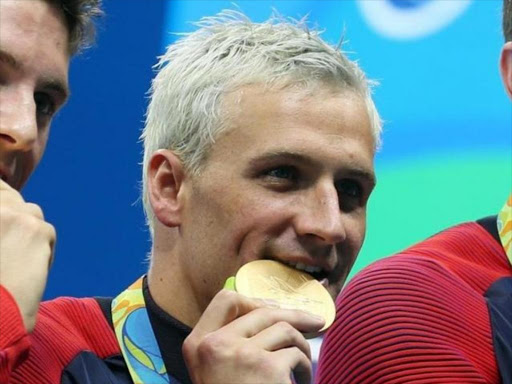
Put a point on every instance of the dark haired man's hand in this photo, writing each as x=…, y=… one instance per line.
x=26, y=251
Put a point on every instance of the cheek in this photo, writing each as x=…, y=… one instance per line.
x=43, y=139
x=356, y=232
x=40, y=147
x=256, y=210
x=238, y=219
x=255, y=224
x=29, y=161
x=214, y=222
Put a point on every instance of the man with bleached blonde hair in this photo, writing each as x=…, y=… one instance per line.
x=259, y=144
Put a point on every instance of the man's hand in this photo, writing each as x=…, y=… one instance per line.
x=239, y=340
x=26, y=251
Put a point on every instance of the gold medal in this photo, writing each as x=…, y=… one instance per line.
x=288, y=287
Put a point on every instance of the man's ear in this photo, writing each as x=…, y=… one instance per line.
x=506, y=67
x=165, y=175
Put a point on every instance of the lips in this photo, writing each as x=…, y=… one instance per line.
x=316, y=271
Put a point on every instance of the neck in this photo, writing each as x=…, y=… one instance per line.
x=171, y=288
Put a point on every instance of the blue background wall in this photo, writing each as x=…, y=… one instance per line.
x=447, y=136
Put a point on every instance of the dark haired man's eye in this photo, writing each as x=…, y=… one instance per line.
x=44, y=103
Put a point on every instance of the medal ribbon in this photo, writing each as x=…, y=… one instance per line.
x=136, y=337
x=505, y=227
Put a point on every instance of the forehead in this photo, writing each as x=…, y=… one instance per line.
x=34, y=40
x=32, y=26
x=32, y=17
x=325, y=125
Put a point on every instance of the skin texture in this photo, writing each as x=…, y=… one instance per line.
x=34, y=64
x=289, y=180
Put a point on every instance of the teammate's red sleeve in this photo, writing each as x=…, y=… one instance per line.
x=408, y=319
x=14, y=339
x=65, y=328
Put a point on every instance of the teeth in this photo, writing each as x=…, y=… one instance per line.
x=312, y=269
x=304, y=267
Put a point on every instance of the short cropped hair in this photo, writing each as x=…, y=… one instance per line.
x=229, y=51
x=507, y=20
x=80, y=15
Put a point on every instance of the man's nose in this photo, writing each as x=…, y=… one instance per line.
x=320, y=215
x=18, y=122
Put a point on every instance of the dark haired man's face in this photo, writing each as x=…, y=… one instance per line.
x=34, y=63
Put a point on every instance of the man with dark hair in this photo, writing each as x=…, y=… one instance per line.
x=37, y=40
x=438, y=312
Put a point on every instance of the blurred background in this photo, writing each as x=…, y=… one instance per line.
x=446, y=154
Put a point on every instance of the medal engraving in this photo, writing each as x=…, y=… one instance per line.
x=288, y=287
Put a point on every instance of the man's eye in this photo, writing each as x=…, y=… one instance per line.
x=350, y=194
x=44, y=104
x=350, y=188
x=284, y=172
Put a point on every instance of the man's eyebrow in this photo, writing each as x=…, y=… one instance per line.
x=58, y=87
x=363, y=174
x=51, y=84
x=352, y=170
x=282, y=155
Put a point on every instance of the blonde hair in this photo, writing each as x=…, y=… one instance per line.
x=227, y=52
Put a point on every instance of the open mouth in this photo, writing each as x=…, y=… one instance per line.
x=318, y=273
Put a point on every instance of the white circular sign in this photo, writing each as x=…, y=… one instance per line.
x=412, y=19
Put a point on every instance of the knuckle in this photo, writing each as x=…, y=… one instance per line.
x=212, y=347
x=188, y=347
x=51, y=231
x=229, y=297
x=27, y=221
x=35, y=210
x=232, y=301
x=31, y=222
x=288, y=331
x=285, y=326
